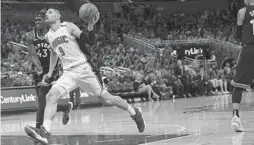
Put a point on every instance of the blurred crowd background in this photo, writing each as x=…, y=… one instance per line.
x=124, y=67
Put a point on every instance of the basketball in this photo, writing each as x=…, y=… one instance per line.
x=87, y=12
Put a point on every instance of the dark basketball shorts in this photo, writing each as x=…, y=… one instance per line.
x=245, y=68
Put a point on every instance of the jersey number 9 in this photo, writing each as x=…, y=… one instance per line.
x=61, y=51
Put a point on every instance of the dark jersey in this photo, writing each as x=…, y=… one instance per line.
x=42, y=50
x=248, y=25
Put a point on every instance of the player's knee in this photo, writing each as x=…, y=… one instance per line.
x=52, y=96
x=114, y=100
x=98, y=92
x=109, y=98
x=237, y=95
x=107, y=102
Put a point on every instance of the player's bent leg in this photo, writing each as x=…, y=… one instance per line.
x=115, y=100
x=135, y=113
x=242, y=80
x=66, y=109
x=65, y=85
x=66, y=112
x=41, y=92
x=236, y=99
x=51, y=102
x=92, y=84
x=60, y=88
x=43, y=134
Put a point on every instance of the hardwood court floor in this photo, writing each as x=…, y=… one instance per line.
x=193, y=121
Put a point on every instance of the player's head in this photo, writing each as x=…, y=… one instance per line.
x=249, y=2
x=53, y=15
x=40, y=20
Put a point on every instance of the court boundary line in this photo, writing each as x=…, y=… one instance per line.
x=111, y=140
x=181, y=128
x=165, y=140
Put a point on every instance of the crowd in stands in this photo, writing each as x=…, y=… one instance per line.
x=158, y=79
x=153, y=75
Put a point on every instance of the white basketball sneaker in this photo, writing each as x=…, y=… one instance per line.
x=236, y=124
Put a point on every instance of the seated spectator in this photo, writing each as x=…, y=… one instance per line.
x=6, y=81
x=128, y=84
x=213, y=81
x=159, y=85
x=201, y=81
x=179, y=68
x=194, y=84
x=140, y=86
x=112, y=85
x=175, y=83
x=18, y=81
x=222, y=81
x=29, y=79
x=228, y=77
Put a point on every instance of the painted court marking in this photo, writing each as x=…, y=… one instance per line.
x=112, y=140
x=166, y=140
x=181, y=128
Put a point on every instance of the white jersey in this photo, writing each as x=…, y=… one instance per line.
x=66, y=47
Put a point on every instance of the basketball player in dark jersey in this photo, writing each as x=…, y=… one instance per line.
x=40, y=53
x=245, y=66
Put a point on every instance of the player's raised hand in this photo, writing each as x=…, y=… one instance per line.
x=94, y=21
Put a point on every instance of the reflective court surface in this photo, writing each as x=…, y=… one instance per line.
x=187, y=121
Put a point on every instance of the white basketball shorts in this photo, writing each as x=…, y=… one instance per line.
x=82, y=76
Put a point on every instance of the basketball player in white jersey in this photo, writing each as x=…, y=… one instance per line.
x=68, y=43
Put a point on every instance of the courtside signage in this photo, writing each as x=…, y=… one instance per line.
x=18, y=98
x=21, y=98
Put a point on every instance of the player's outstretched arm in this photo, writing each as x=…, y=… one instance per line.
x=32, y=52
x=240, y=20
x=88, y=39
x=76, y=32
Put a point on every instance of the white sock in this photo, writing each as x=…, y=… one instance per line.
x=47, y=124
x=131, y=110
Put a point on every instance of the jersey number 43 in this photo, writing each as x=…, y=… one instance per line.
x=42, y=52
